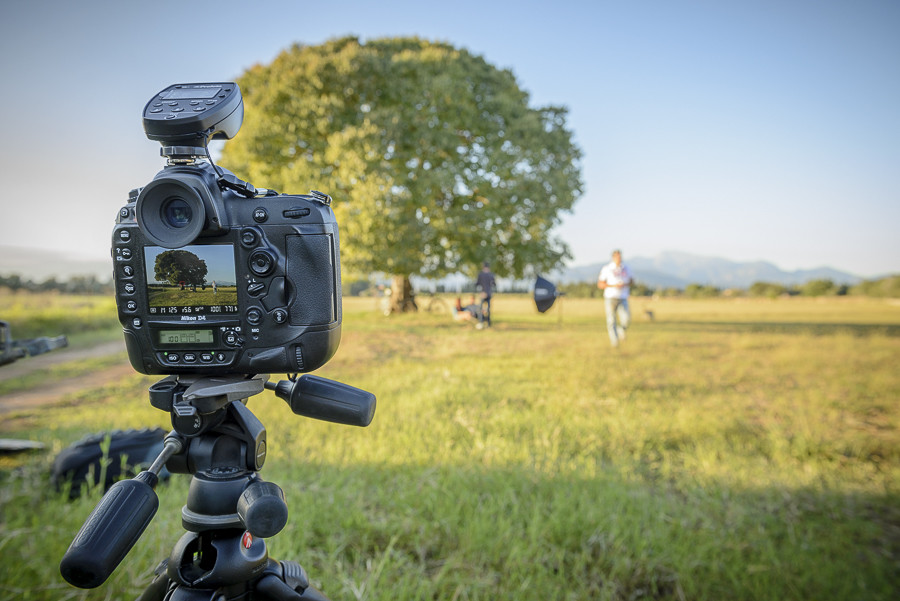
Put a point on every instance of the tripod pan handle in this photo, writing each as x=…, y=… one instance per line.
x=116, y=523
x=327, y=400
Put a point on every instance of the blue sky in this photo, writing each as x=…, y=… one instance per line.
x=756, y=130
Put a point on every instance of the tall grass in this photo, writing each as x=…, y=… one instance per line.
x=730, y=449
x=50, y=314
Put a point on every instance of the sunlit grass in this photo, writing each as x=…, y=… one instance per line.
x=50, y=314
x=731, y=449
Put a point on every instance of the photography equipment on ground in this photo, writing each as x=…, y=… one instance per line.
x=545, y=294
x=218, y=283
x=13, y=350
x=124, y=453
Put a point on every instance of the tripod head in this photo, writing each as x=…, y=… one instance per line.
x=218, y=440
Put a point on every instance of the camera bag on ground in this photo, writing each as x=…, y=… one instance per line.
x=129, y=451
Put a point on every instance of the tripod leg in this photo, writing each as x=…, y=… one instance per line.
x=157, y=589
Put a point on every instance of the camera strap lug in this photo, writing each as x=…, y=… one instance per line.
x=229, y=181
x=320, y=197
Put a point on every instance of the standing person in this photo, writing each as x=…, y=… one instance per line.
x=615, y=281
x=487, y=284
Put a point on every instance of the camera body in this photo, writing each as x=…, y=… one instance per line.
x=211, y=275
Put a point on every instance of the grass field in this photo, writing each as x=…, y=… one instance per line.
x=174, y=296
x=51, y=314
x=730, y=449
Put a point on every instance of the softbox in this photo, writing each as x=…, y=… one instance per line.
x=545, y=294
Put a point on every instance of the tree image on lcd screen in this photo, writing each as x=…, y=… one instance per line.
x=434, y=157
x=180, y=267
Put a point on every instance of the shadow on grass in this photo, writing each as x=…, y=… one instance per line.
x=445, y=532
x=792, y=328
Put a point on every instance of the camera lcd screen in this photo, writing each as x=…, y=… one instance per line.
x=189, y=93
x=181, y=337
x=192, y=280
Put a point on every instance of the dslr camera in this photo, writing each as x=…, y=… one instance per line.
x=215, y=276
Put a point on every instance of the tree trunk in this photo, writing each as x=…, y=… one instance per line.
x=402, y=299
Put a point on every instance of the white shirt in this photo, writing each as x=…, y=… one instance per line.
x=615, y=275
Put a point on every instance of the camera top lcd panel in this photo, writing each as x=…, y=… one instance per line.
x=213, y=281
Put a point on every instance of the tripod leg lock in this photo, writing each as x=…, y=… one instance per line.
x=262, y=509
x=287, y=581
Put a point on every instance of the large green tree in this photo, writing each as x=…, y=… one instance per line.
x=176, y=266
x=434, y=157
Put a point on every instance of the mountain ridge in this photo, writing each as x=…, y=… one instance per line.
x=675, y=269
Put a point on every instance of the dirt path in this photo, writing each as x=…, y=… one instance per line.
x=54, y=391
x=28, y=365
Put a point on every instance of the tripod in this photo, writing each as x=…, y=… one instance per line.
x=230, y=509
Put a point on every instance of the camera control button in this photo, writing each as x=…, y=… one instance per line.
x=137, y=322
x=190, y=358
x=124, y=235
x=249, y=238
x=276, y=298
x=131, y=306
x=280, y=316
x=206, y=357
x=261, y=262
x=260, y=215
x=125, y=254
x=128, y=288
x=255, y=288
x=295, y=212
x=231, y=338
x=173, y=357
x=127, y=271
x=221, y=358
x=254, y=316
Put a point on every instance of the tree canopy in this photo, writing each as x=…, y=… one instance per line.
x=176, y=266
x=434, y=157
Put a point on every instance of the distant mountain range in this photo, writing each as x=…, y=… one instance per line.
x=677, y=270
x=38, y=265
x=666, y=270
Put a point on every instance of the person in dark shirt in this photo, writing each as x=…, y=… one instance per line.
x=486, y=284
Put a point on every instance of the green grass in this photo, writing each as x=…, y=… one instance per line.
x=731, y=449
x=49, y=314
x=173, y=296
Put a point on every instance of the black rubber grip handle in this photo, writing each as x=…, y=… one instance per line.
x=116, y=523
x=327, y=400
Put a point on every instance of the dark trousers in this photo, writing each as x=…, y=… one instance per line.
x=486, y=308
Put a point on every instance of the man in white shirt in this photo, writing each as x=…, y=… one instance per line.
x=615, y=281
